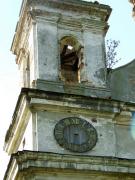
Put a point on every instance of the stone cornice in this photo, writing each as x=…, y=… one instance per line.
x=29, y=161
x=92, y=8
x=91, y=22
x=31, y=8
x=89, y=11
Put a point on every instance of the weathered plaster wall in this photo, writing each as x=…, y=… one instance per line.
x=123, y=83
x=125, y=143
x=46, y=141
x=95, y=60
x=113, y=140
x=48, y=65
x=47, y=50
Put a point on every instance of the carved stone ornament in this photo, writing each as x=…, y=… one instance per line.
x=75, y=134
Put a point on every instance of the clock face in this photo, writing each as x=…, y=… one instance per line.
x=75, y=134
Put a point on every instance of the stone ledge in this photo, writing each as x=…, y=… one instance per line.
x=78, y=89
x=38, y=161
x=73, y=3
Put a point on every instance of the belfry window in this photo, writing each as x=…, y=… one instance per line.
x=70, y=59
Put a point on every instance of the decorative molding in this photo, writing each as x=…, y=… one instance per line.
x=98, y=9
x=31, y=9
x=21, y=54
x=78, y=88
x=41, y=162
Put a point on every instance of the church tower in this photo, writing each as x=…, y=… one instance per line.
x=65, y=124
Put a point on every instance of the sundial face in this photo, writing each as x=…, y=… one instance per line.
x=75, y=134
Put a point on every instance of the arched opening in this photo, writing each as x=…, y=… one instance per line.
x=71, y=55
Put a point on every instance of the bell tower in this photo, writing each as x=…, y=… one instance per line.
x=64, y=125
x=61, y=46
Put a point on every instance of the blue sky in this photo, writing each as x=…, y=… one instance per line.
x=122, y=27
x=9, y=77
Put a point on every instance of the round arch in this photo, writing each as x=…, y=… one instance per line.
x=70, y=58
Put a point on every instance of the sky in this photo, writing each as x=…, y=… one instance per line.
x=122, y=28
